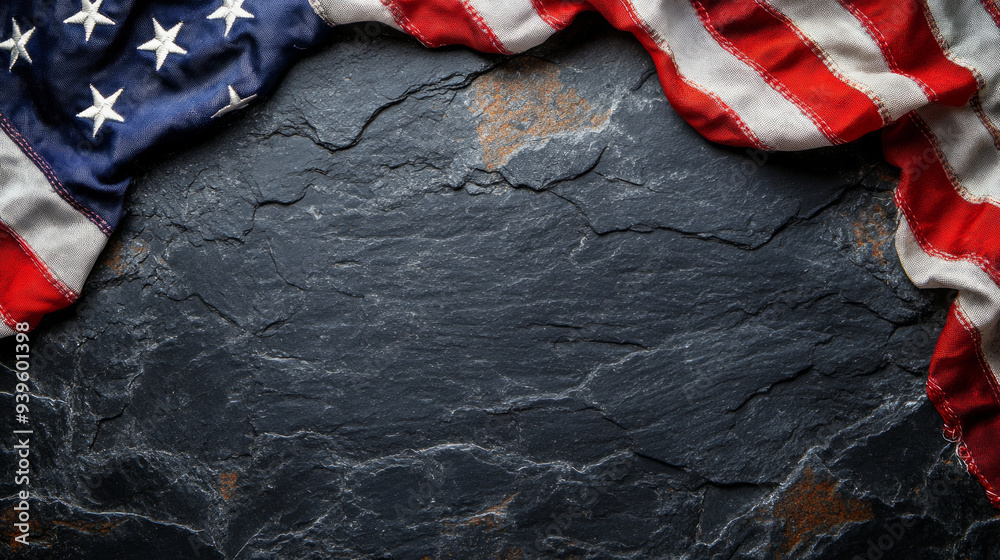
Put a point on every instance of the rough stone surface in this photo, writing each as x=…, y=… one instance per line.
x=434, y=304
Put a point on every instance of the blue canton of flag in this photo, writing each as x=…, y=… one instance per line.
x=94, y=83
x=89, y=85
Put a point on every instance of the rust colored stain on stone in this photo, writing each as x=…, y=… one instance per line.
x=7, y=521
x=43, y=534
x=489, y=519
x=813, y=506
x=227, y=484
x=513, y=553
x=526, y=101
x=124, y=258
x=874, y=229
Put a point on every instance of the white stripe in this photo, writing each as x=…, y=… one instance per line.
x=63, y=238
x=978, y=298
x=969, y=150
x=855, y=55
x=5, y=331
x=774, y=119
x=514, y=22
x=974, y=39
x=337, y=12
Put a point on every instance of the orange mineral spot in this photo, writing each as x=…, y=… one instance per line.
x=874, y=230
x=124, y=258
x=7, y=521
x=525, y=102
x=227, y=484
x=813, y=506
x=490, y=519
x=511, y=554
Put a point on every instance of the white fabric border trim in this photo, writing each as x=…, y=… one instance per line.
x=59, y=235
x=338, y=12
x=978, y=298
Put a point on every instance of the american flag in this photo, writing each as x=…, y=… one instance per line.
x=92, y=84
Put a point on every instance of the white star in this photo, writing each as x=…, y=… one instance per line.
x=89, y=17
x=17, y=45
x=235, y=103
x=101, y=110
x=163, y=44
x=230, y=10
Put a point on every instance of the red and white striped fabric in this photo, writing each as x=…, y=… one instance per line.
x=47, y=244
x=793, y=74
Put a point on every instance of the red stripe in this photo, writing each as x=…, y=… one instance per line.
x=911, y=48
x=559, y=13
x=960, y=382
x=701, y=108
x=27, y=288
x=929, y=198
x=445, y=22
x=993, y=10
x=768, y=42
x=964, y=390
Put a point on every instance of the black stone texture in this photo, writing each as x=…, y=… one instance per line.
x=434, y=304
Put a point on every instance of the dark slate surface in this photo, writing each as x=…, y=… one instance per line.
x=429, y=305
